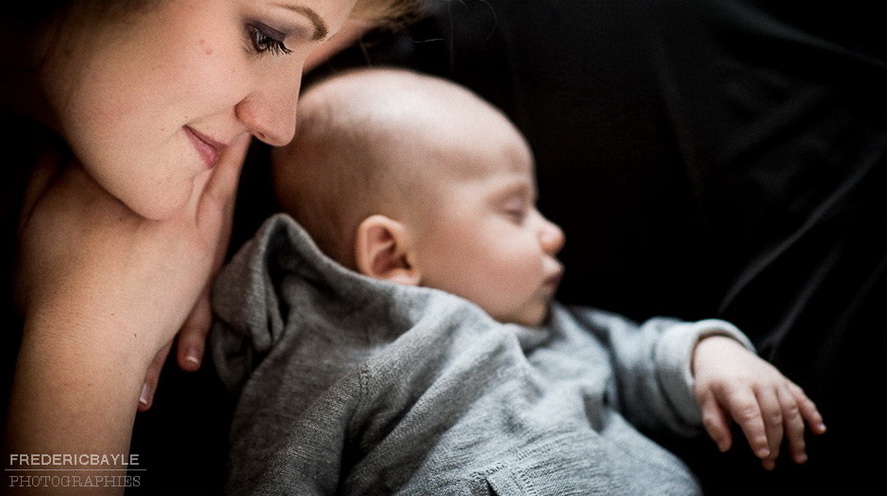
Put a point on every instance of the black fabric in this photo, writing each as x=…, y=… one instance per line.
x=730, y=159
x=182, y=441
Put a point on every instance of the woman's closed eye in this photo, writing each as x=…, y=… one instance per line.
x=265, y=39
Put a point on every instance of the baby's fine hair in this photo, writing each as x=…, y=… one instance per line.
x=366, y=144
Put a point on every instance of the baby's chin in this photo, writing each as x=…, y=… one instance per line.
x=529, y=317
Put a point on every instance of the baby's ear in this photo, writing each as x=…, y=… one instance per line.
x=383, y=251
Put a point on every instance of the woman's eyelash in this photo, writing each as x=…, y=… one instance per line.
x=265, y=39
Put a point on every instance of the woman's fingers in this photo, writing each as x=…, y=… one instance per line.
x=218, y=195
x=152, y=378
x=215, y=206
x=191, y=341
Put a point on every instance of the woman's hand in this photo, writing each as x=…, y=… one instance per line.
x=79, y=243
x=191, y=339
x=734, y=383
x=104, y=291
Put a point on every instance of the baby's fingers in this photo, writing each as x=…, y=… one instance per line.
x=794, y=427
x=797, y=408
x=772, y=409
x=808, y=409
x=746, y=411
x=716, y=423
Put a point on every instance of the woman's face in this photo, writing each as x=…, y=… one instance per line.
x=149, y=102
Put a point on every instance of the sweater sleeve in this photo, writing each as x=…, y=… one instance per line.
x=652, y=382
x=673, y=355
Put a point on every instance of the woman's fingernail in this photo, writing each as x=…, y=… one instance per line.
x=192, y=356
x=143, y=397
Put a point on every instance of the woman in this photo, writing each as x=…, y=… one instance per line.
x=142, y=117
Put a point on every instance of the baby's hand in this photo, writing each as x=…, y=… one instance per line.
x=734, y=383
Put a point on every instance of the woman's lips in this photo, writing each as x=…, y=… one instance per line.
x=208, y=148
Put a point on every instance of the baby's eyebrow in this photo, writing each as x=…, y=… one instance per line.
x=519, y=187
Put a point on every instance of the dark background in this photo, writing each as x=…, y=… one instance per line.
x=719, y=158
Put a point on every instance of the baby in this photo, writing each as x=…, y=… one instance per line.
x=417, y=346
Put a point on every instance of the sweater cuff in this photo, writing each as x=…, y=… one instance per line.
x=674, y=356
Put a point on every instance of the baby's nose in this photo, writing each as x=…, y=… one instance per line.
x=551, y=236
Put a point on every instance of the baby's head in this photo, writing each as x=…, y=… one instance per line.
x=414, y=179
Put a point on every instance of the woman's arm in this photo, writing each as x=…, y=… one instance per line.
x=103, y=291
x=75, y=393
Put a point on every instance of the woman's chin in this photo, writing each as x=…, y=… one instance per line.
x=157, y=207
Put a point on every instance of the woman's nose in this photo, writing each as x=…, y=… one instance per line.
x=269, y=112
x=551, y=237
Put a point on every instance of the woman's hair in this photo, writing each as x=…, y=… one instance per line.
x=391, y=14
x=19, y=21
x=30, y=30
x=24, y=139
x=22, y=23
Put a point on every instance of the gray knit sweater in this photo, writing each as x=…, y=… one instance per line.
x=348, y=385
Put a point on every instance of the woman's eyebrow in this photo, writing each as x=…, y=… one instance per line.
x=320, y=28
